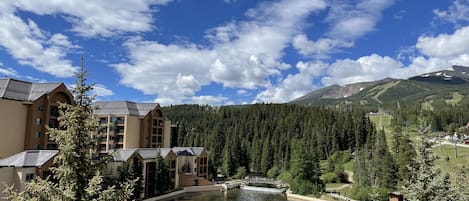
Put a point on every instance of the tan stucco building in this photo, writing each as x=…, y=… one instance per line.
x=23, y=167
x=129, y=125
x=26, y=110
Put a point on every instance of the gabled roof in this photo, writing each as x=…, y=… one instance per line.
x=24, y=91
x=123, y=108
x=150, y=153
x=123, y=154
x=188, y=151
x=28, y=158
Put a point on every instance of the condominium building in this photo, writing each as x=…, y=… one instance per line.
x=128, y=125
x=27, y=109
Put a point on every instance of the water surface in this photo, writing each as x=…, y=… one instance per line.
x=232, y=195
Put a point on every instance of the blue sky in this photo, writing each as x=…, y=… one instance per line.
x=223, y=52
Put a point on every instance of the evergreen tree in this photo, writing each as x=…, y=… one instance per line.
x=76, y=176
x=305, y=170
x=163, y=181
x=425, y=182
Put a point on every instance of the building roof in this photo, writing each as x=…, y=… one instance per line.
x=150, y=153
x=123, y=108
x=123, y=154
x=188, y=151
x=24, y=91
x=28, y=158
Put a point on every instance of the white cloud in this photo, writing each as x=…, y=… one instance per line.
x=241, y=54
x=293, y=86
x=31, y=46
x=173, y=72
x=210, y=100
x=445, y=45
x=320, y=48
x=91, y=18
x=458, y=11
x=348, y=22
x=101, y=90
x=364, y=69
x=8, y=71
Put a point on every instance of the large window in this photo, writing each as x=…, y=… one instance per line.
x=37, y=134
x=29, y=176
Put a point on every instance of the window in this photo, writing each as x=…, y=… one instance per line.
x=54, y=111
x=40, y=108
x=29, y=176
x=37, y=146
x=160, y=140
x=173, y=164
x=37, y=134
x=38, y=121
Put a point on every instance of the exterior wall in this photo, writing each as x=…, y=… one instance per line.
x=145, y=131
x=167, y=134
x=41, y=113
x=8, y=178
x=132, y=132
x=22, y=175
x=12, y=124
x=202, y=165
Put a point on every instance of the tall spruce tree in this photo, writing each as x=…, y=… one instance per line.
x=425, y=182
x=76, y=176
x=163, y=181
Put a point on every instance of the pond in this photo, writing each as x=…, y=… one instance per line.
x=232, y=195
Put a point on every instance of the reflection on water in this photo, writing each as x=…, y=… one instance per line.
x=232, y=195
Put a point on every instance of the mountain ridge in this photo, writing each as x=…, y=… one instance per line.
x=435, y=88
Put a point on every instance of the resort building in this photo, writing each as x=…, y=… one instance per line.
x=26, y=110
x=23, y=167
x=129, y=125
x=187, y=166
x=192, y=165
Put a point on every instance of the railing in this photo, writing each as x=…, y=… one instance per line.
x=263, y=180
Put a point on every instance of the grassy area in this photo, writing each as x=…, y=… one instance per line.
x=349, y=166
x=383, y=121
x=456, y=98
x=335, y=185
x=447, y=161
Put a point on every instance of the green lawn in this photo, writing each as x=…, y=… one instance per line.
x=335, y=185
x=447, y=161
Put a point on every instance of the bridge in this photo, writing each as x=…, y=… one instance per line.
x=264, y=180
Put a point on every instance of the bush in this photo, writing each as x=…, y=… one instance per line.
x=285, y=176
x=240, y=173
x=273, y=172
x=329, y=177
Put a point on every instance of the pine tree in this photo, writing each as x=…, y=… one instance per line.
x=425, y=182
x=76, y=176
x=163, y=181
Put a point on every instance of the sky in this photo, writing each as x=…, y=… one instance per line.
x=226, y=52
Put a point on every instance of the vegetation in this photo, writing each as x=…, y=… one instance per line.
x=425, y=181
x=76, y=176
x=264, y=139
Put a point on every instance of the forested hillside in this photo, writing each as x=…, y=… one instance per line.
x=259, y=136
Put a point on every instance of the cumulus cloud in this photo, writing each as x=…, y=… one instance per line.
x=320, y=48
x=445, y=45
x=101, y=90
x=210, y=100
x=456, y=13
x=31, y=46
x=293, y=86
x=241, y=54
x=367, y=68
x=8, y=71
x=97, y=18
x=26, y=42
x=348, y=22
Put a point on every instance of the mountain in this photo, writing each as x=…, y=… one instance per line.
x=441, y=88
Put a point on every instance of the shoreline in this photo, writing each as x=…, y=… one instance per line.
x=218, y=187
